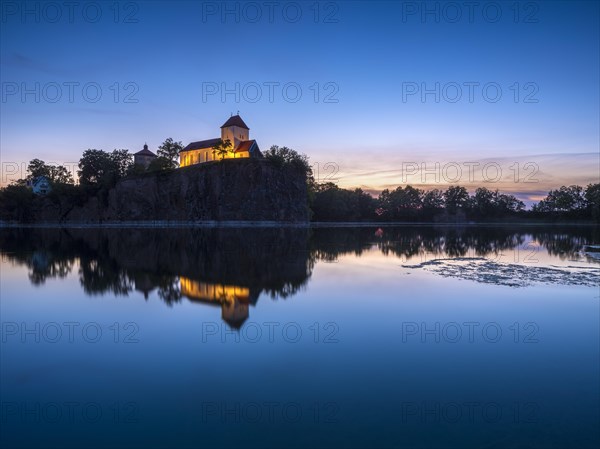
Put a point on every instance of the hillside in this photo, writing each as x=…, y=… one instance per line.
x=231, y=190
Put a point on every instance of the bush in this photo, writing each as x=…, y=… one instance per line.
x=16, y=202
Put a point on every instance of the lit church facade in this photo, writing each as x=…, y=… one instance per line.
x=234, y=130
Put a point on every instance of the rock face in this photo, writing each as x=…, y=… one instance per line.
x=243, y=189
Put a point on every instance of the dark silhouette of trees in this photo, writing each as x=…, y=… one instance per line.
x=456, y=198
x=409, y=204
x=222, y=147
x=16, y=203
x=286, y=156
x=57, y=174
x=103, y=169
x=592, y=197
x=564, y=199
x=169, y=150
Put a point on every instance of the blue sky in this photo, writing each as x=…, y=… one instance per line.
x=357, y=65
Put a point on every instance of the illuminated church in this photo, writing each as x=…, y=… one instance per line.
x=234, y=130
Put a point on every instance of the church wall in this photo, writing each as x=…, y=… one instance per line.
x=205, y=155
x=234, y=134
x=196, y=157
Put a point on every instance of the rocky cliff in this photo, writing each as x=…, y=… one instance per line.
x=243, y=189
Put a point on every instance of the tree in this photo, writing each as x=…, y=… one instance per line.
x=565, y=199
x=37, y=168
x=222, y=147
x=484, y=201
x=334, y=204
x=592, y=197
x=96, y=167
x=433, y=201
x=170, y=150
x=402, y=203
x=455, y=198
x=57, y=174
x=492, y=203
x=507, y=203
x=60, y=175
x=15, y=203
x=286, y=156
x=366, y=205
x=160, y=164
x=122, y=161
x=99, y=168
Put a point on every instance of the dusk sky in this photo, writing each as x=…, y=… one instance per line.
x=360, y=66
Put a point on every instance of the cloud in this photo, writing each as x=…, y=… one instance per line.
x=528, y=176
x=22, y=61
x=76, y=69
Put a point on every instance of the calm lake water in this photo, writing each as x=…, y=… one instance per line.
x=327, y=337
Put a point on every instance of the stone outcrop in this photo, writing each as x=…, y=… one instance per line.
x=230, y=190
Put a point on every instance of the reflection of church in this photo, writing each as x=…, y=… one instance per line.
x=234, y=300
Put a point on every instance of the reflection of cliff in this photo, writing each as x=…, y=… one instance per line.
x=228, y=267
x=231, y=267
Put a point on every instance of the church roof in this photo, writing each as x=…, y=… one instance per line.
x=235, y=120
x=145, y=152
x=209, y=143
x=246, y=145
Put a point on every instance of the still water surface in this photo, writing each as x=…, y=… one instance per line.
x=328, y=337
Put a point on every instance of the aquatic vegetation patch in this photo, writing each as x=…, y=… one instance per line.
x=482, y=270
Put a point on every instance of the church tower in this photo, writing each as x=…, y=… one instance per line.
x=235, y=130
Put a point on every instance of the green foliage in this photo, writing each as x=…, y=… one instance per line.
x=123, y=161
x=137, y=169
x=592, y=197
x=70, y=194
x=401, y=203
x=433, y=202
x=101, y=169
x=60, y=175
x=170, y=150
x=408, y=203
x=455, y=198
x=281, y=156
x=565, y=199
x=222, y=148
x=488, y=203
x=15, y=203
x=57, y=174
x=160, y=164
x=334, y=204
x=37, y=168
x=94, y=167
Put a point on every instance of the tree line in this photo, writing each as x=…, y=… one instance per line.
x=332, y=203
x=100, y=170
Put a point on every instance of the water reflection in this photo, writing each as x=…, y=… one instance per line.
x=231, y=268
x=234, y=300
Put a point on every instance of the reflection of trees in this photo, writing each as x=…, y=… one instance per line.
x=169, y=291
x=274, y=261
x=45, y=258
x=443, y=241
x=327, y=244
x=43, y=267
x=565, y=245
x=104, y=276
x=271, y=260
